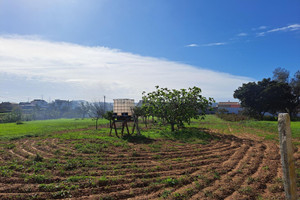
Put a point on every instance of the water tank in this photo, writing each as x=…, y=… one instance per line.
x=122, y=107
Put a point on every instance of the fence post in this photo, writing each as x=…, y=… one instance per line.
x=287, y=159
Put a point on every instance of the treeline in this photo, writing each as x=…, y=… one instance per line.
x=52, y=110
x=271, y=96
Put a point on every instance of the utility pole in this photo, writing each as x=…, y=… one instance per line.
x=104, y=103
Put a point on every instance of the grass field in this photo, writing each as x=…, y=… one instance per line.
x=43, y=127
x=264, y=129
x=207, y=160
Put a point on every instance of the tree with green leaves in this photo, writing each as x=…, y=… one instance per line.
x=295, y=84
x=265, y=96
x=176, y=106
x=283, y=75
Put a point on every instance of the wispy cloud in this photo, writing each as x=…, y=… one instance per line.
x=293, y=27
x=260, y=34
x=32, y=67
x=262, y=27
x=242, y=34
x=259, y=28
x=192, y=45
x=214, y=44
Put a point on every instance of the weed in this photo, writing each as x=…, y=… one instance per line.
x=155, y=147
x=47, y=187
x=5, y=172
x=10, y=146
x=250, y=180
x=36, y=178
x=102, y=181
x=208, y=193
x=216, y=174
x=71, y=164
x=165, y=193
x=38, y=158
x=62, y=194
x=171, y=181
x=178, y=196
x=245, y=190
x=265, y=168
x=77, y=178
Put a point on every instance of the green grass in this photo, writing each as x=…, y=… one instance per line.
x=192, y=134
x=265, y=129
x=43, y=127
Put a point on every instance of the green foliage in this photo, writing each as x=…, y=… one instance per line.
x=165, y=193
x=38, y=158
x=77, y=178
x=19, y=122
x=108, y=115
x=265, y=96
x=171, y=181
x=10, y=146
x=176, y=106
x=281, y=75
x=36, y=178
x=14, y=116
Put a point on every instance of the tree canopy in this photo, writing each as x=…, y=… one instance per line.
x=176, y=106
x=266, y=96
x=281, y=75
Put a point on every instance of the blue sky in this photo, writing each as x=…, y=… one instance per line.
x=215, y=45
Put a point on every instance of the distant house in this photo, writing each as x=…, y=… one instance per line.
x=40, y=103
x=26, y=106
x=77, y=103
x=231, y=107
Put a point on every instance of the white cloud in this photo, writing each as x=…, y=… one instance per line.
x=242, y=34
x=30, y=68
x=262, y=27
x=214, y=44
x=192, y=45
x=293, y=27
x=260, y=34
x=259, y=28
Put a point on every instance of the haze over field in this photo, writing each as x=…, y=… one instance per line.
x=84, y=50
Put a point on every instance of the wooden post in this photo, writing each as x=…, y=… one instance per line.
x=287, y=159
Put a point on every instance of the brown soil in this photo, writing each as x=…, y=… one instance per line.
x=229, y=168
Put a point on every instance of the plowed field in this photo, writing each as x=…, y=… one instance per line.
x=227, y=167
